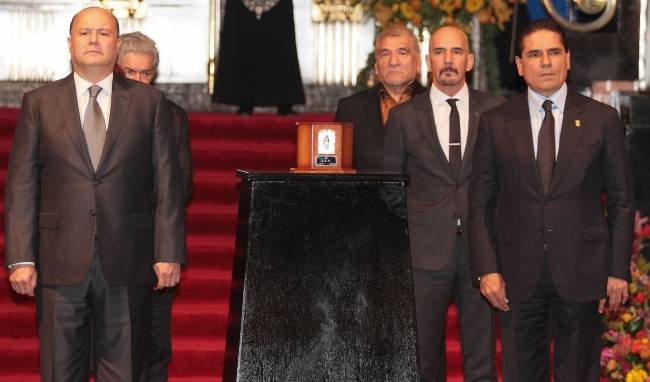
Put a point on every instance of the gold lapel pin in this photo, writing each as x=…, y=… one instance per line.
x=578, y=123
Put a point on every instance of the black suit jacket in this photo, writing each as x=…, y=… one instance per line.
x=363, y=110
x=182, y=135
x=511, y=217
x=54, y=199
x=436, y=198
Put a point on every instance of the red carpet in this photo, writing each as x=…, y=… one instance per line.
x=220, y=144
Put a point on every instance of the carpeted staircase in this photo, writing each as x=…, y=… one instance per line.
x=220, y=144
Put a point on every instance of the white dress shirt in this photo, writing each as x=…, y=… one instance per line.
x=441, y=110
x=103, y=98
x=535, y=101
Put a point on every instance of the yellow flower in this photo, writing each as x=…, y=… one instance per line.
x=474, y=6
x=406, y=10
x=447, y=6
x=636, y=375
x=633, y=288
x=611, y=365
x=627, y=317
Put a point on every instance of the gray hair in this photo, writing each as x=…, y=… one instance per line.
x=139, y=43
x=397, y=29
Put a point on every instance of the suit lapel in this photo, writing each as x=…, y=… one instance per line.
x=475, y=107
x=372, y=108
x=570, y=136
x=428, y=128
x=120, y=102
x=68, y=105
x=520, y=131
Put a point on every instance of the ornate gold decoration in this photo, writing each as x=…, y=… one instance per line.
x=135, y=9
x=337, y=10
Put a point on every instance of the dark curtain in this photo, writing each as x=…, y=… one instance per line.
x=258, y=61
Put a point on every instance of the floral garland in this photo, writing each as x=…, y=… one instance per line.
x=433, y=14
x=626, y=341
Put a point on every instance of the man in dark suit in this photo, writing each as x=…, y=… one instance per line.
x=397, y=62
x=89, y=152
x=432, y=138
x=138, y=59
x=549, y=253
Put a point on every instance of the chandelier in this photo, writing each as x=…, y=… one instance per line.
x=122, y=9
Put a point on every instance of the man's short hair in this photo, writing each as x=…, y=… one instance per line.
x=117, y=23
x=397, y=29
x=539, y=25
x=138, y=43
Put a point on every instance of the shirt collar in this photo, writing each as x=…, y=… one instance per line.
x=438, y=97
x=408, y=92
x=81, y=85
x=535, y=100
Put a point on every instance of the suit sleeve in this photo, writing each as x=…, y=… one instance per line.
x=185, y=155
x=482, y=202
x=169, y=231
x=620, y=197
x=394, y=152
x=22, y=190
x=342, y=112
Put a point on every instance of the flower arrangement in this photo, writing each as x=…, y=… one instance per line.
x=432, y=14
x=626, y=351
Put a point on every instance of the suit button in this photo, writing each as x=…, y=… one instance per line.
x=92, y=212
x=96, y=182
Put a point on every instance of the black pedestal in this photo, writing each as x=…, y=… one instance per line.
x=322, y=287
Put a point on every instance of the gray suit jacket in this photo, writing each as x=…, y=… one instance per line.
x=54, y=199
x=435, y=196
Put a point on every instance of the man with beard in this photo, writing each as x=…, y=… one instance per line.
x=432, y=139
x=397, y=55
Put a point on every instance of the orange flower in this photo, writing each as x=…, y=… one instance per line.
x=416, y=20
x=486, y=16
x=416, y=5
x=474, y=6
x=382, y=13
x=447, y=6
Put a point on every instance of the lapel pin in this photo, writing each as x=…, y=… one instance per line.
x=578, y=123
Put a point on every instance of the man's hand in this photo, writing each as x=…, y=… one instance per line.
x=23, y=279
x=169, y=274
x=616, y=294
x=493, y=288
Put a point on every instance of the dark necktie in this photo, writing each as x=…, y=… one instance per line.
x=454, y=136
x=546, y=146
x=94, y=126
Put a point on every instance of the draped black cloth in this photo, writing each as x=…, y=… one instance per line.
x=258, y=61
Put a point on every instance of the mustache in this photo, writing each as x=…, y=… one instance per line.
x=448, y=69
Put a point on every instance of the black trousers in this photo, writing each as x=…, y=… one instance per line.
x=433, y=292
x=160, y=340
x=117, y=319
x=529, y=328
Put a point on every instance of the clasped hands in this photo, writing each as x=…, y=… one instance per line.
x=493, y=288
x=22, y=277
